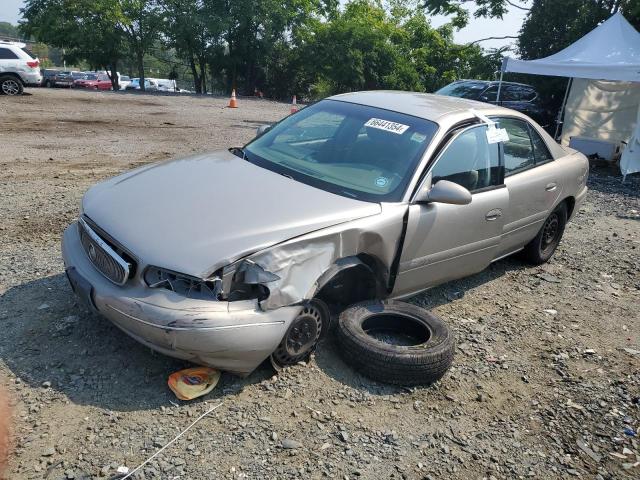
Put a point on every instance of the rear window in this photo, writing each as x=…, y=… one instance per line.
x=29, y=52
x=6, y=54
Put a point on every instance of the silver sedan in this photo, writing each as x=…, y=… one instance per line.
x=231, y=257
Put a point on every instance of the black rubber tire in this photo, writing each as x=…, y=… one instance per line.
x=16, y=84
x=420, y=364
x=538, y=250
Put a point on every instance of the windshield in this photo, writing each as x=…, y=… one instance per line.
x=463, y=89
x=352, y=150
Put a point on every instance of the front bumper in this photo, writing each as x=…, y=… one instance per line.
x=230, y=336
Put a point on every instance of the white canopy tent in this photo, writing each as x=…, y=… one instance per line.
x=609, y=52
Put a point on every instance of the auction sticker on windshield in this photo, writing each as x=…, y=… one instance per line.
x=386, y=125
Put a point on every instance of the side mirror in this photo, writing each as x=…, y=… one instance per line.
x=445, y=191
x=262, y=129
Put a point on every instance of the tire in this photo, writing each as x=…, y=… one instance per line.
x=541, y=249
x=10, y=85
x=422, y=362
x=303, y=335
x=48, y=84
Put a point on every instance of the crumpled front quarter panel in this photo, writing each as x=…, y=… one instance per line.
x=302, y=261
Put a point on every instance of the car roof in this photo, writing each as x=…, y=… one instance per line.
x=436, y=108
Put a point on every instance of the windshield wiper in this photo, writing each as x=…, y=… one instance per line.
x=238, y=152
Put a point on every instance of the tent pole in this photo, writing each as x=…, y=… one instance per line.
x=562, y=108
x=499, y=87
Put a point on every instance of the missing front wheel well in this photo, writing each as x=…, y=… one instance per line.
x=353, y=285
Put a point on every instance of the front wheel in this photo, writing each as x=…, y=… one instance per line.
x=541, y=249
x=303, y=335
x=10, y=85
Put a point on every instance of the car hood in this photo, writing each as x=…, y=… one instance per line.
x=201, y=213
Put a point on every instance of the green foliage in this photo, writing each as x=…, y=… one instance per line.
x=367, y=47
x=8, y=30
x=310, y=48
x=484, y=8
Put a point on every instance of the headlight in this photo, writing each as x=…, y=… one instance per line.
x=186, y=285
x=244, y=280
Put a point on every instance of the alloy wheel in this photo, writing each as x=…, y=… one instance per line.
x=10, y=87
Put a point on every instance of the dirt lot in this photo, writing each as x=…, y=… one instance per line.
x=533, y=393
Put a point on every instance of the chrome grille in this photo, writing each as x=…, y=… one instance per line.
x=102, y=256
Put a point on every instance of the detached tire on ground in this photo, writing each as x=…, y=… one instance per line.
x=395, y=342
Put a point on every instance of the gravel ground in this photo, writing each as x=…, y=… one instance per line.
x=546, y=381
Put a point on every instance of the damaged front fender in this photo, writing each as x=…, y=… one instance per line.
x=304, y=264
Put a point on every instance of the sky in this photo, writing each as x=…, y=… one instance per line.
x=477, y=28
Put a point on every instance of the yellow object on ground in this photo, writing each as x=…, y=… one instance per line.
x=193, y=382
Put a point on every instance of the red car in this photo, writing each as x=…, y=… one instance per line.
x=93, y=81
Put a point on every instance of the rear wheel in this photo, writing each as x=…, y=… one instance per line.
x=302, y=336
x=542, y=248
x=10, y=85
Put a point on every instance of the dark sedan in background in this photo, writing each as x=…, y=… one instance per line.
x=517, y=96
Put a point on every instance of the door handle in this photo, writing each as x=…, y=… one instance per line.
x=493, y=215
x=551, y=187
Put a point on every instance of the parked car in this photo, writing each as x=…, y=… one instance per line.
x=518, y=96
x=123, y=81
x=18, y=68
x=149, y=84
x=59, y=78
x=367, y=195
x=47, y=77
x=94, y=81
x=166, y=85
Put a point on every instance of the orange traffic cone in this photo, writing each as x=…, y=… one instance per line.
x=233, y=103
x=294, y=105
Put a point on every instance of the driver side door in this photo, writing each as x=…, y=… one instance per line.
x=444, y=242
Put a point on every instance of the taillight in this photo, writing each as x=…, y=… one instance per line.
x=33, y=64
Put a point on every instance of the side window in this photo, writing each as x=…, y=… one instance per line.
x=489, y=95
x=469, y=160
x=540, y=149
x=517, y=93
x=518, y=151
x=6, y=54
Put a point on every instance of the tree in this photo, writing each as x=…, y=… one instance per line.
x=484, y=8
x=139, y=22
x=9, y=31
x=368, y=47
x=86, y=29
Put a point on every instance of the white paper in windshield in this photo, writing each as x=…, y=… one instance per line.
x=387, y=126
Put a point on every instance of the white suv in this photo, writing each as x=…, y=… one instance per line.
x=18, y=68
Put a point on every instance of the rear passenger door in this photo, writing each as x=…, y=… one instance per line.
x=531, y=179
